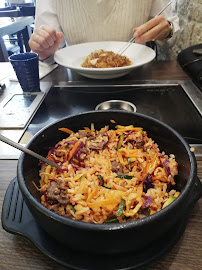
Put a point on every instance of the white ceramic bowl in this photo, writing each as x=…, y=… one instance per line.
x=73, y=56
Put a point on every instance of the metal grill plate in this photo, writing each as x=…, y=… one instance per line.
x=17, y=109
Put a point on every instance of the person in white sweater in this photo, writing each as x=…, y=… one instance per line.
x=79, y=21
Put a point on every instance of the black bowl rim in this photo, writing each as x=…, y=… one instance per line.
x=114, y=226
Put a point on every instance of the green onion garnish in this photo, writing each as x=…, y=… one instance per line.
x=101, y=178
x=120, y=209
x=72, y=207
x=103, y=182
x=124, y=176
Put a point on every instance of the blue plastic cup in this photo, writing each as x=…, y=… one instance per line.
x=26, y=67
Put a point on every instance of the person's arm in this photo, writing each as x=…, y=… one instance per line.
x=168, y=14
x=45, y=15
x=47, y=36
x=158, y=28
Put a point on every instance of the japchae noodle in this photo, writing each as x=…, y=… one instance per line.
x=105, y=59
x=108, y=175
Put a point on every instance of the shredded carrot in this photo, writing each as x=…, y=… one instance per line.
x=152, y=212
x=120, y=158
x=140, y=189
x=123, y=150
x=154, y=159
x=133, y=156
x=36, y=186
x=160, y=178
x=125, y=127
x=172, y=181
x=152, y=163
x=131, y=213
x=87, y=129
x=131, y=151
x=110, y=204
x=146, y=168
x=69, y=131
x=73, y=150
x=77, y=162
x=92, y=194
x=160, y=170
x=41, y=182
x=129, y=129
x=140, y=176
x=91, y=172
x=177, y=194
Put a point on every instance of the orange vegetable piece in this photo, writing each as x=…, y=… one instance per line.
x=73, y=150
x=69, y=131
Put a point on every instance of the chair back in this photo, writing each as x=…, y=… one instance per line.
x=20, y=10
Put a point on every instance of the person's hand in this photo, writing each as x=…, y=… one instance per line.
x=45, y=41
x=157, y=28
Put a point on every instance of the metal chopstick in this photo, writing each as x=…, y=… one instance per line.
x=122, y=50
x=28, y=151
x=125, y=47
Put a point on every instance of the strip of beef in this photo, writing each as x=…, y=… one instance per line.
x=139, y=143
x=56, y=193
x=98, y=142
x=116, y=167
x=83, y=133
x=83, y=152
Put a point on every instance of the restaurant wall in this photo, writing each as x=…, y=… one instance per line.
x=190, y=17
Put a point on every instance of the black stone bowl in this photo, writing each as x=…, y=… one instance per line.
x=110, y=238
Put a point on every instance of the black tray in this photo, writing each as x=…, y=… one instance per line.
x=17, y=219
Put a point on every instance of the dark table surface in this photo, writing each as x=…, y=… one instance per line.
x=18, y=253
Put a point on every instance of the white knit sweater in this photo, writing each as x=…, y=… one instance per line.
x=98, y=20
